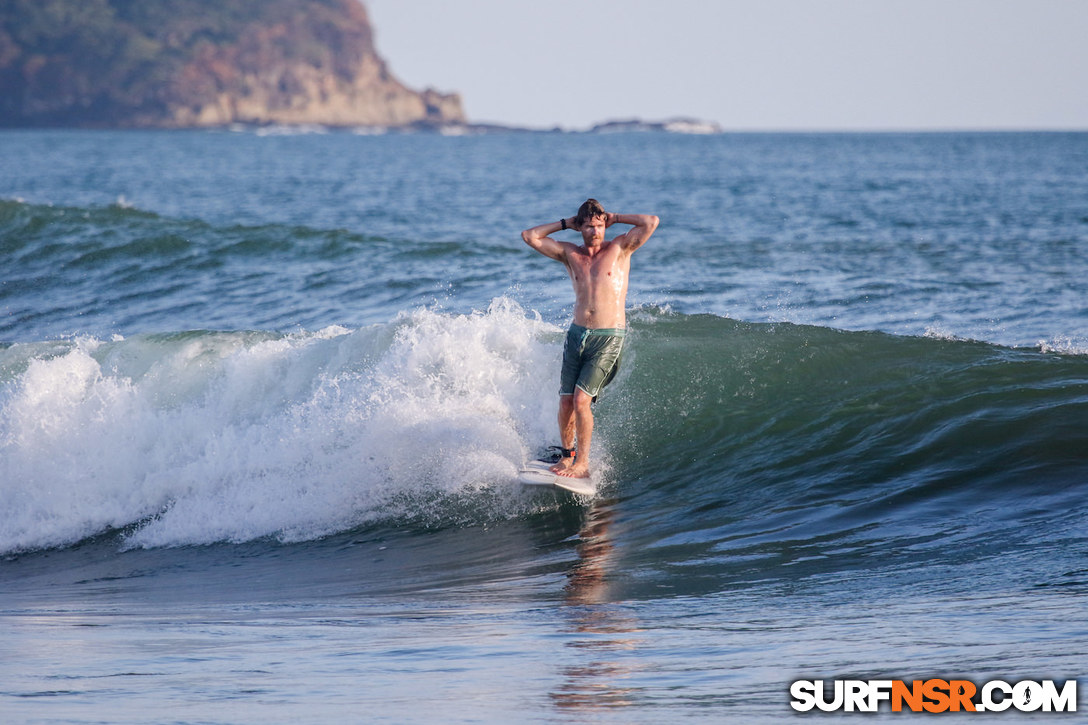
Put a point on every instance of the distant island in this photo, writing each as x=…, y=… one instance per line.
x=219, y=63
x=672, y=125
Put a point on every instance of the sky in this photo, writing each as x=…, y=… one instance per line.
x=749, y=64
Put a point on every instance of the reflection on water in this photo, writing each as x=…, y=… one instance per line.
x=589, y=577
x=602, y=630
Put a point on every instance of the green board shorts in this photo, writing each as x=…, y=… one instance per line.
x=591, y=358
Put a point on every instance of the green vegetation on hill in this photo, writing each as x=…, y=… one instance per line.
x=151, y=62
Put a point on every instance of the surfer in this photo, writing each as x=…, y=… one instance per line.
x=591, y=354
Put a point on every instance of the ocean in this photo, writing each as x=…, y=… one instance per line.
x=263, y=396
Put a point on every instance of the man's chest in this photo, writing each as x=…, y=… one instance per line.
x=604, y=266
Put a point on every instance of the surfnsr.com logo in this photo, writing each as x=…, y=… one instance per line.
x=934, y=695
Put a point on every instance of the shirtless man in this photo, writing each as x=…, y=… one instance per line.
x=591, y=354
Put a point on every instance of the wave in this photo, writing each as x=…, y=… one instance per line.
x=718, y=433
x=118, y=268
x=210, y=436
x=779, y=451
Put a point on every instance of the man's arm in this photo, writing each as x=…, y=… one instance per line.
x=538, y=238
x=644, y=225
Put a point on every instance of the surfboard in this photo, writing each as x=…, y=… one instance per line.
x=535, y=474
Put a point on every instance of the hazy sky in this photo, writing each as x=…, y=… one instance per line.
x=749, y=64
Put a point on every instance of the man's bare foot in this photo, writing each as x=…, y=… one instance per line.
x=578, y=470
x=562, y=465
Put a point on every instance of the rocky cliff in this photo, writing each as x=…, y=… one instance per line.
x=182, y=63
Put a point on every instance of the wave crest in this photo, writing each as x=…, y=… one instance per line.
x=202, y=437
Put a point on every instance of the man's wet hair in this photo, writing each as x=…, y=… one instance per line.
x=589, y=209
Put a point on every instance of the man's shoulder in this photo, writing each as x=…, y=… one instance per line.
x=616, y=246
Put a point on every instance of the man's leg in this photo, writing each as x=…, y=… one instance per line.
x=581, y=403
x=566, y=431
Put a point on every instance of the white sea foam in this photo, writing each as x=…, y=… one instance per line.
x=1064, y=346
x=937, y=333
x=210, y=437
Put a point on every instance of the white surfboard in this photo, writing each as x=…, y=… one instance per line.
x=535, y=474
